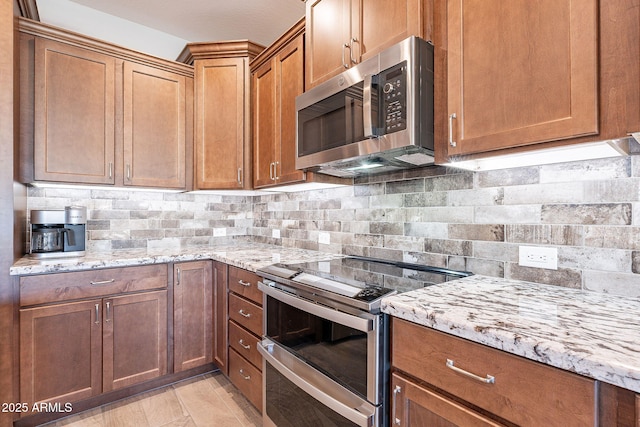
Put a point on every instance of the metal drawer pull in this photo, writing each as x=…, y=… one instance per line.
x=243, y=283
x=397, y=390
x=488, y=380
x=241, y=311
x=246, y=377
x=108, y=314
x=245, y=346
x=97, y=322
x=451, y=141
x=103, y=282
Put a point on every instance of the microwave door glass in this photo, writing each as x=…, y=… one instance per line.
x=333, y=122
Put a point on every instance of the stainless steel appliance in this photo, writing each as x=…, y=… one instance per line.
x=375, y=117
x=326, y=344
x=58, y=233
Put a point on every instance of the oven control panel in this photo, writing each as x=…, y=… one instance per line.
x=393, y=84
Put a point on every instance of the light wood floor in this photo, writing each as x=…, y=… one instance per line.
x=206, y=400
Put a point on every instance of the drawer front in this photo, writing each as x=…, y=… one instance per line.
x=246, y=314
x=246, y=377
x=47, y=288
x=245, y=283
x=524, y=392
x=245, y=344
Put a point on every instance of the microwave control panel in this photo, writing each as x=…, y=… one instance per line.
x=393, y=88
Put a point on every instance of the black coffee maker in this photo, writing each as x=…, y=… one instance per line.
x=58, y=233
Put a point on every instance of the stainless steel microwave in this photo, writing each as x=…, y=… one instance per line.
x=375, y=117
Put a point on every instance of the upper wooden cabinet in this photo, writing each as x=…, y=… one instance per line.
x=516, y=73
x=277, y=79
x=74, y=114
x=222, y=108
x=94, y=113
x=342, y=33
x=154, y=127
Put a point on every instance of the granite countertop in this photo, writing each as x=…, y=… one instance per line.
x=250, y=256
x=592, y=334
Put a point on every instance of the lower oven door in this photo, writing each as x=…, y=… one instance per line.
x=297, y=395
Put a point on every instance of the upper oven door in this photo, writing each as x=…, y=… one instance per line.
x=347, y=348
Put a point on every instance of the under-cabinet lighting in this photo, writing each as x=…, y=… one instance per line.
x=101, y=187
x=569, y=153
x=365, y=166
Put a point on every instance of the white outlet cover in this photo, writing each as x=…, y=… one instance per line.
x=538, y=257
x=324, y=238
x=275, y=233
x=219, y=232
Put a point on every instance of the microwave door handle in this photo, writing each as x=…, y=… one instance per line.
x=367, y=114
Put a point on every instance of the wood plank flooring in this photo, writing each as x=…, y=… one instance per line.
x=206, y=400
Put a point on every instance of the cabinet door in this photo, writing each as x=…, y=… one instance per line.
x=265, y=110
x=289, y=65
x=74, y=115
x=221, y=140
x=399, y=19
x=61, y=352
x=520, y=72
x=192, y=314
x=328, y=29
x=220, y=316
x=135, y=339
x=154, y=127
x=415, y=405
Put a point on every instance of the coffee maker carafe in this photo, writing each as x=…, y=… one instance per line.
x=58, y=233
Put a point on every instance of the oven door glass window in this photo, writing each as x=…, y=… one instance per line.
x=288, y=405
x=338, y=351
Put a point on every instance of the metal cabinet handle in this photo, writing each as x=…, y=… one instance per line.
x=275, y=170
x=110, y=170
x=107, y=317
x=489, y=379
x=243, y=283
x=353, y=60
x=397, y=390
x=246, y=377
x=102, y=282
x=245, y=346
x=178, y=276
x=240, y=176
x=97, y=322
x=451, y=141
x=242, y=313
x=128, y=172
x=344, y=62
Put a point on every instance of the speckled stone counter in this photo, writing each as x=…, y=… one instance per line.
x=592, y=334
x=250, y=256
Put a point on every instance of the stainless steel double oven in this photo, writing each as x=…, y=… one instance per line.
x=326, y=344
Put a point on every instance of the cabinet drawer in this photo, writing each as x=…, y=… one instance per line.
x=245, y=344
x=525, y=392
x=245, y=283
x=246, y=314
x=47, y=288
x=246, y=377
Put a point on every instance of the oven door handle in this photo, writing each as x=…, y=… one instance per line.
x=321, y=388
x=350, y=320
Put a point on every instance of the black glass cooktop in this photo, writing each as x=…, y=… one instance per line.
x=362, y=279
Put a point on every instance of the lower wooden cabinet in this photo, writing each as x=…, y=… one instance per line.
x=220, y=316
x=501, y=385
x=192, y=314
x=88, y=332
x=416, y=405
x=244, y=332
x=75, y=350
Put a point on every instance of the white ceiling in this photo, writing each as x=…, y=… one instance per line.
x=163, y=27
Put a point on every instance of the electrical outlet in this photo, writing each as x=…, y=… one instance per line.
x=324, y=238
x=275, y=233
x=538, y=257
x=219, y=232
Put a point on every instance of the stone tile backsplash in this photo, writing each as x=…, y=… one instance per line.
x=589, y=211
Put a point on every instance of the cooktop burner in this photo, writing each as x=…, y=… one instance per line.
x=358, y=281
